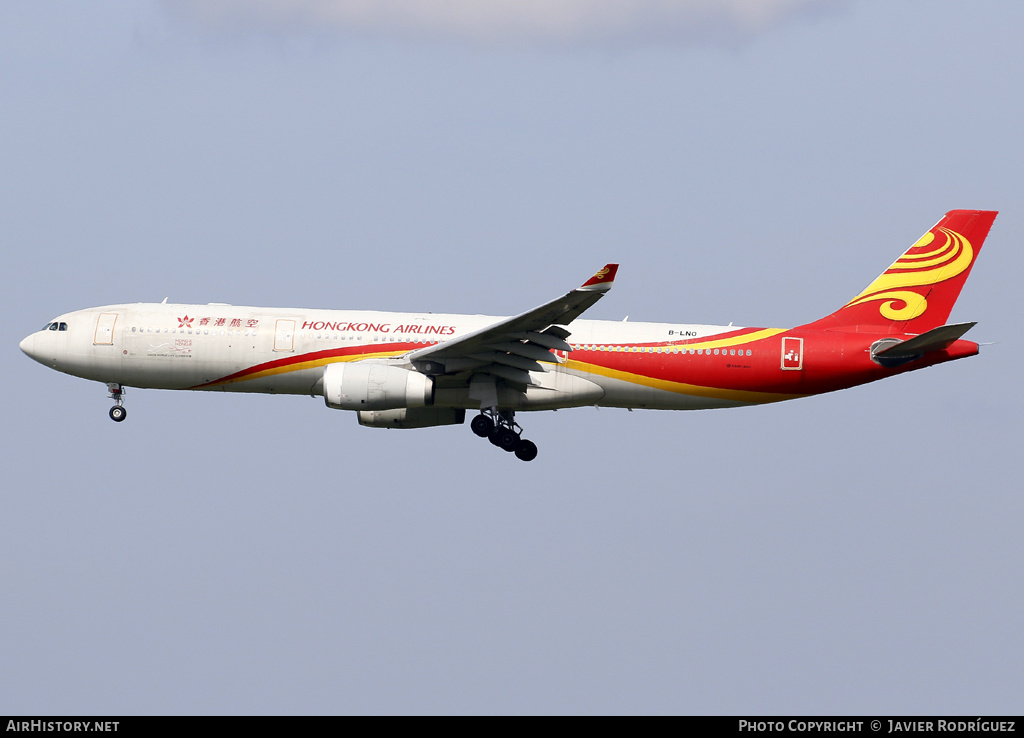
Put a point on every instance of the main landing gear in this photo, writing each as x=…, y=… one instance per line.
x=501, y=429
x=117, y=413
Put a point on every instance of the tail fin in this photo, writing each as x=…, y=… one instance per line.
x=916, y=294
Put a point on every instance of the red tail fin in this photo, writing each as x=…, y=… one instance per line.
x=917, y=292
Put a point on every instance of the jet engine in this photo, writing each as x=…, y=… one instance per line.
x=365, y=386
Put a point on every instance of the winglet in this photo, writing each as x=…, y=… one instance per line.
x=602, y=281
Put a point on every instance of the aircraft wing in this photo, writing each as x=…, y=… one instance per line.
x=514, y=347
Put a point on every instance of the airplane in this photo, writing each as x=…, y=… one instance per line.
x=416, y=370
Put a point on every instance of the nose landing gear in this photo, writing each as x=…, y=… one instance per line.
x=501, y=429
x=118, y=412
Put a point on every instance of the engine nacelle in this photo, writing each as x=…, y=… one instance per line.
x=414, y=417
x=365, y=386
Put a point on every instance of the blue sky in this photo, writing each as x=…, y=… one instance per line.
x=852, y=553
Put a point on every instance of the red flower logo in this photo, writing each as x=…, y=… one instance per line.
x=185, y=322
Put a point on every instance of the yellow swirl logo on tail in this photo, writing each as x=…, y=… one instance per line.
x=920, y=265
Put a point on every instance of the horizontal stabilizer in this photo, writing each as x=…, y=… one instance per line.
x=936, y=339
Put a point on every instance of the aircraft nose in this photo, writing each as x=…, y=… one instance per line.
x=28, y=346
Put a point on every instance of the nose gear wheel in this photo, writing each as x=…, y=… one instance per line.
x=118, y=412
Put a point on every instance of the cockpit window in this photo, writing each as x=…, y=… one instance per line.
x=63, y=327
x=52, y=327
x=46, y=327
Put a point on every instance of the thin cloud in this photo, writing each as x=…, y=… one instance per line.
x=501, y=20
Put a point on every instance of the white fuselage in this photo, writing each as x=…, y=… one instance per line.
x=284, y=351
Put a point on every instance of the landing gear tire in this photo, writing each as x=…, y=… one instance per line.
x=482, y=426
x=507, y=439
x=526, y=450
x=117, y=413
x=500, y=428
x=504, y=438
